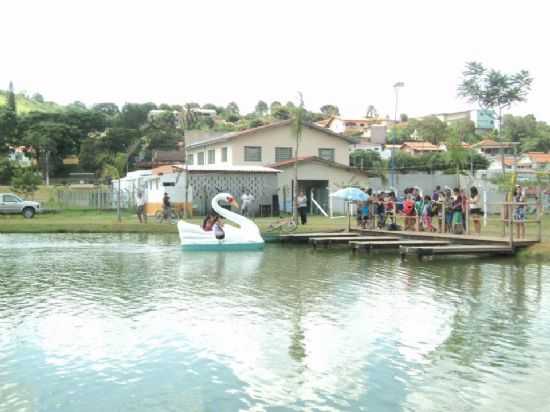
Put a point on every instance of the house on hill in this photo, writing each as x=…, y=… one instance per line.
x=372, y=129
x=491, y=147
x=421, y=147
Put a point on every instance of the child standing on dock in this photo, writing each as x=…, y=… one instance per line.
x=427, y=214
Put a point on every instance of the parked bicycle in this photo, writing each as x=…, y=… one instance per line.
x=286, y=225
x=170, y=217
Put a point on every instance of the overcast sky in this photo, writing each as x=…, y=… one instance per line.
x=347, y=53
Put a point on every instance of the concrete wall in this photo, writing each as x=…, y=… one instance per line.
x=205, y=186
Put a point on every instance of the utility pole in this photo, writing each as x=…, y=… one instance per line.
x=396, y=87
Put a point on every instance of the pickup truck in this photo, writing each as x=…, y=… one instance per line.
x=13, y=204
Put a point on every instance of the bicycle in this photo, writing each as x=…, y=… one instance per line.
x=160, y=217
x=286, y=225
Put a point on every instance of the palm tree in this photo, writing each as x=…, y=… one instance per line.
x=298, y=127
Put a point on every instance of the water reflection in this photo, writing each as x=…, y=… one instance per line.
x=286, y=328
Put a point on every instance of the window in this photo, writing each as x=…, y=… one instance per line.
x=327, y=154
x=211, y=157
x=252, y=154
x=283, y=153
x=11, y=199
x=190, y=159
x=224, y=154
x=200, y=158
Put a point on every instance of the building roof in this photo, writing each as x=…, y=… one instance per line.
x=168, y=156
x=310, y=159
x=233, y=135
x=422, y=146
x=167, y=169
x=539, y=157
x=491, y=144
x=367, y=120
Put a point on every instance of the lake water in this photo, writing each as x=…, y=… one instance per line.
x=131, y=323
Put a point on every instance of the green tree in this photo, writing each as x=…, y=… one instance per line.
x=371, y=112
x=330, y=110
x=7, y=170
x=233, y=109
x=261, y=108
x=432, y=129
x=281, y=113
x=8, y=128
x=298, y=128
x=51, y=143
x=11, y=104
x=77, y=106
x=274, y=106
x=190, y=118
x=37, y=97
x=492, y=89
x=25, y=181
x=134, y=115
x=107, y=108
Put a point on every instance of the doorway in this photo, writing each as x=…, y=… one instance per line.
x=319, y=190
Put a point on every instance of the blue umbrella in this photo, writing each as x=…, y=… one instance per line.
x=351, y=194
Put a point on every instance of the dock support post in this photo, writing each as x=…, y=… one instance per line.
x=540, y=214
x=510, y=224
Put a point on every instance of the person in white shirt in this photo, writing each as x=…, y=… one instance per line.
x=246, y=203
x=140, y=208
x=301, y=204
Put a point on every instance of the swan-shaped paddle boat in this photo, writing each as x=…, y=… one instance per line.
x=244, y=237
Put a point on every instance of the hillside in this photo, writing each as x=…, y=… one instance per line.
x=26, y=104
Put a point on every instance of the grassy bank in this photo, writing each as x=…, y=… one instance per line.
x=92, y=221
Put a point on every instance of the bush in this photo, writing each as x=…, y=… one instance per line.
x=25, y=180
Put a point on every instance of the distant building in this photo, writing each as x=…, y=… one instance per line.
x=420, y=147
x=372, y=128
x=162, y=157
x=484, y=120
x=22, y=155
x=535, y=160
x=490, y=147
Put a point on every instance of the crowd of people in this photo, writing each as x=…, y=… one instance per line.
x=445, y=210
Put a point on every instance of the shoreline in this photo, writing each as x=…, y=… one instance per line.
x=105, y=222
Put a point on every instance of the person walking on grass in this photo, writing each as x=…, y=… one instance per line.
x=301, y=204
x=475, y=209
x=140, y=208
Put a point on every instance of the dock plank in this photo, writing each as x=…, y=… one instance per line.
x=315, y=241
x=455, y=249
x=359, y=245
x=304, y=237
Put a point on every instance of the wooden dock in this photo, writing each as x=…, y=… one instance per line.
x=329, y=240
x=396, y=244
x=412, y=243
